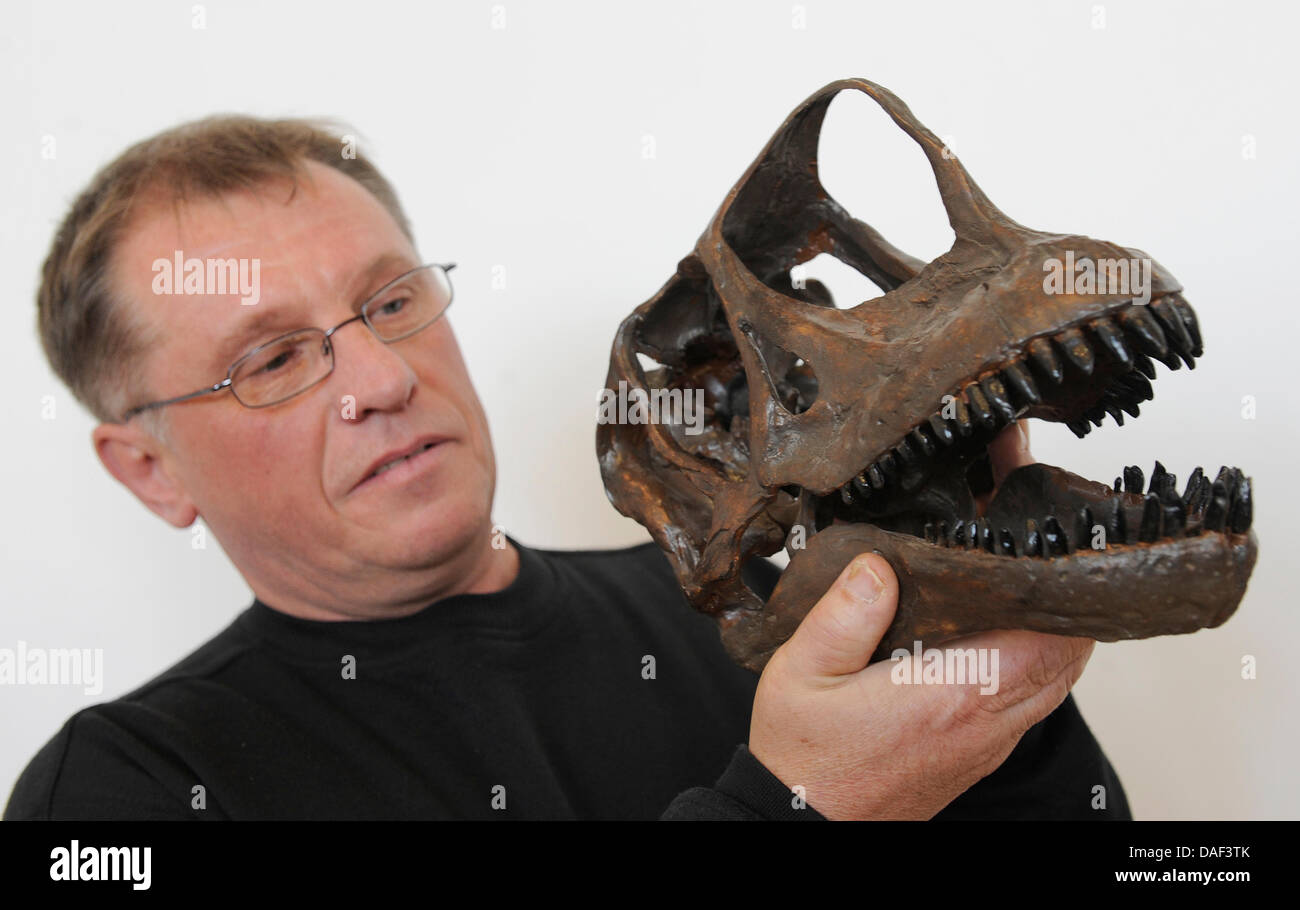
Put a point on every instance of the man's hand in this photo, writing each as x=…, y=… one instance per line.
x=864, y=747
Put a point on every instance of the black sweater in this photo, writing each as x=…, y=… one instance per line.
x=586, y=689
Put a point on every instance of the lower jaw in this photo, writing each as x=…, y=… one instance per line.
x=1168, y=587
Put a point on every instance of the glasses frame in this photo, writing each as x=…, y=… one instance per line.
x=363, y=315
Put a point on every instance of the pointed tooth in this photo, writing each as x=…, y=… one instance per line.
x=1021, y=382
x=996, y=393
x=862, y=485
x=921, y=440
x=1173, y=513
x=1156, y=474
x=1119, y=485
x=1144, y=365
x=1230, y=481
x=963, y=418
x=906, y=456
x=979, y=405
x=888, y=465
x=1120, y=525
x=1151, y=516
x=1083, y=523
x=1163, y=483
x=1033, y=540
x=1040, y=349
x=1184, y=309
x=1223, y=478
x=846, y=494
x=942, y=432
x=1193, y=485
x=1172, y=322
x=972, y=535
x=1130, y=408
x=1096, y=414
x=1139, y=385
x=1006, y=542
x=875, y=477
x=1169, y=484
x=1171, y=361
x=958, y=534
x=1076, y=350
x=1216, y=513
x=1133, y=479
x=1112, y=339
x=943, y=533
x=1241, y=512
x=986, y=540
x=1146, y=331
x=1114, y=411
x=1203, y=494
x=1055, y=543
x=1079, y=428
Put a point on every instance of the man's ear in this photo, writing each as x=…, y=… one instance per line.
x=136, y=459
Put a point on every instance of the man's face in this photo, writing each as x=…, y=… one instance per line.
x=283, y=487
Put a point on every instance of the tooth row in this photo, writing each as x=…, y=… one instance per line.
x=1039, y=538
x=1165, y=329
x=994, y=401
x=1224, y=503
x=1123, y=397
x=1227, y=502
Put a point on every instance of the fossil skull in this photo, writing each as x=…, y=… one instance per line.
x=837, y=430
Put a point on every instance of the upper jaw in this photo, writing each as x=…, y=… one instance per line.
x=926, y=482
x=1076, y=374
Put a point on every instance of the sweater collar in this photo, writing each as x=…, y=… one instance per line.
x=519, y=610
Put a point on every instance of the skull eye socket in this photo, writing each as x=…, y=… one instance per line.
x=790, y=379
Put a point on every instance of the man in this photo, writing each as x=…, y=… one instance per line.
x=400, y=659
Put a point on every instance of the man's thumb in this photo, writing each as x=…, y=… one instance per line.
x=841, y=631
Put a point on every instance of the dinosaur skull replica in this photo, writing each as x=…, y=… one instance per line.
x=835, y=431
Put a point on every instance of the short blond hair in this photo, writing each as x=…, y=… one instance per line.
x=91, y=338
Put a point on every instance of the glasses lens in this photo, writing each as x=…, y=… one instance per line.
x=282, y=368
x=410, y=303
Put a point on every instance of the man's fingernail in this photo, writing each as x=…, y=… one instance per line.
x=862, y=582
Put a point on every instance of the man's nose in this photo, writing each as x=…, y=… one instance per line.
x=375, y=375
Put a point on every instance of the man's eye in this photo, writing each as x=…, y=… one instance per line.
x=277, y=362
x=393, y=307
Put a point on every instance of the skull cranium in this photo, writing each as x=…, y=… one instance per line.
x=839, y=430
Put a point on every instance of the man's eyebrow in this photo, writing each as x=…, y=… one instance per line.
x=258, y=328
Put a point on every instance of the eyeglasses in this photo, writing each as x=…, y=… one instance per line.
x=291, y=364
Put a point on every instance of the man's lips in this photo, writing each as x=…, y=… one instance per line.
x=396, y=459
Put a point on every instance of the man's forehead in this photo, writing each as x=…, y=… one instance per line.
x=331, y=239
x=308, y=228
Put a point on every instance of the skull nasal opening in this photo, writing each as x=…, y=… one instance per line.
x=787, y=227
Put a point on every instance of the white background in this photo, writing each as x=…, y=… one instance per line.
x=524, y=148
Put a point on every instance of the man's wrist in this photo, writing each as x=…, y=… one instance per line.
x=749, y=782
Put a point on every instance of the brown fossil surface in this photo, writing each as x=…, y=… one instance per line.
x=834, y=430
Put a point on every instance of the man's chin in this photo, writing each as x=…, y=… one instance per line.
x=418, y=531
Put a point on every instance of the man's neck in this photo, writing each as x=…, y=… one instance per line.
x=483, y=570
